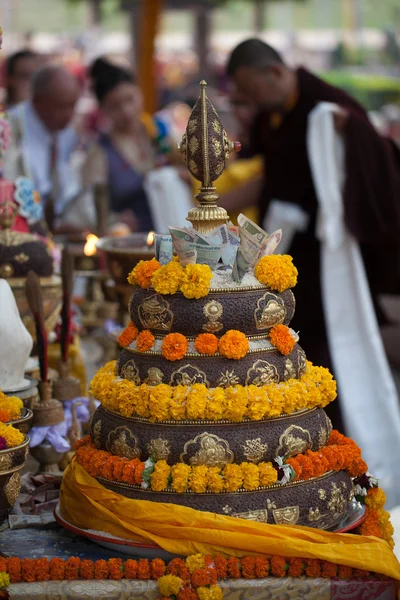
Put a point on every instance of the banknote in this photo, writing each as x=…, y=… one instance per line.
x=253, y=240
x=208, y=247
x=164, y=248
x=230, y=249
x=183, y=244
x=273, y=242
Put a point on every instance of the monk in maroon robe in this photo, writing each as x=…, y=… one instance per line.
x=284, y=98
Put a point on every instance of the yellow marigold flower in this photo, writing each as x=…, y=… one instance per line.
x=12, y=436
x=376, y=498
x=233, y=344
x=167, y=280
x=4, y=580
x=143, y=272
x=159, y=402
x=12, y=405
x=210, y=593
x=276, y=399
x=215, y=480
x=169, y=585
x=198, y=479
x=196, y=402
x=257, y=402
x=195, y=561
x=215, y=404
x=180, y=477
x=268, y=475
x=102, y=382
x=233, y=477
x=160, y=475
x=196, y=281
x=143, y=400
x=251, y=476
x=323, y=379
x=276, y=271
x=235, y=403
x=178, y=402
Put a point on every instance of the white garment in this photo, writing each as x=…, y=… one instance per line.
x=169, y=198
x=367, y=391
x=35, y=147
x=286, y=216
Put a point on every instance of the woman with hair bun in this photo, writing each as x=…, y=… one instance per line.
x=131, y=148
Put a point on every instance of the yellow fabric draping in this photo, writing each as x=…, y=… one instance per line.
x=184, y=531
x=150, y=17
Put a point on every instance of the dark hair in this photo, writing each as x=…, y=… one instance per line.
x=252, y=53
x=106, y=76
x=12, y=60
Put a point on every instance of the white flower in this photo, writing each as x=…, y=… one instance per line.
x=359, y=491
x=149, y=463
x=373, y=481
x=287, y=470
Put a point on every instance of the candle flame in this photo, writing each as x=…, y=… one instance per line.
x=90, y=246
x=150, y=238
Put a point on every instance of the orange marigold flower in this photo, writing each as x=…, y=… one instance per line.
x=281, y=337
x=361, y=573
x=178, y=567
x=42, y=569
x=4, y=415
x=201, y=578
x=145, y=341
x=344, y=572
x=115, y=568
x=131, y=568
x=248, y=567
x=278, y=566
x=262, y=567
x=313, y=568
x=86, y=570
x=233, y=344
x=144, y=571
x=157, y=568
x=174, y=346
x=101, y=569
x=206, y=343
x=3, y=564
x=72, y=568
x=234, y=567
x=328, y=569
x=187, y=593
x=221, y=565
x=296, y=567
x=57, y=569
x=28, y=570
x=276, y=271
x=14, y=569
x=128, y=335
x=143, y=272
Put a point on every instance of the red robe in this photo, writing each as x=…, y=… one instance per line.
x=371, y=200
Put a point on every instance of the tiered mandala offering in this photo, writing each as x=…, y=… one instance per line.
x=212, y=404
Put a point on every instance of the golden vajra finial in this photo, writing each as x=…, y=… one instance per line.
x=206, y=149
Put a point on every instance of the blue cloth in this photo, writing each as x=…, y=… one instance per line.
x=126, y=186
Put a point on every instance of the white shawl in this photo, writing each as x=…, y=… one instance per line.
x=367, y=391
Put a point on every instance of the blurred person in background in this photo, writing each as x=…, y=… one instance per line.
x=134, y=145
x=19, y=70
x=331, y=182
x=44, y=141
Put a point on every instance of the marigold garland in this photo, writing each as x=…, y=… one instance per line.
x=128, y=335
x=233, y=344
x=206, y=343
x=145, y=341
x=316, y=388
x=143, y=272
x=180, y=477
x=377, y=519
x=281, y=337
x=174, y=346
x=276, y=271
x=176, y=577
x=167, y=280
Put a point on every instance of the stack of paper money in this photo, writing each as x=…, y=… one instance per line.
x=227, y=246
